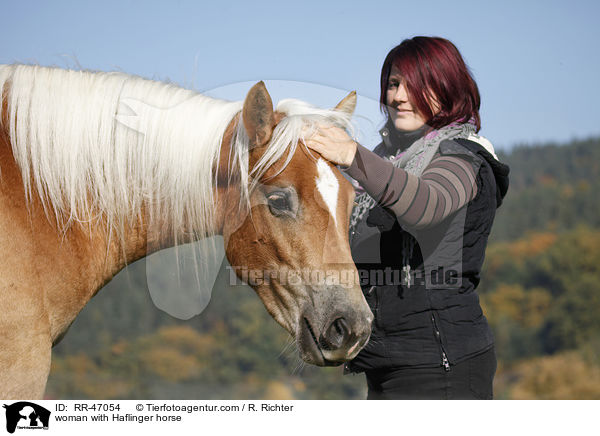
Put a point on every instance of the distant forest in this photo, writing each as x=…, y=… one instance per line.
x=540, y=291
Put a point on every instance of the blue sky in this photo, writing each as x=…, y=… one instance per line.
x=536, y=63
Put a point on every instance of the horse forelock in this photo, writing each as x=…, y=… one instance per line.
x=298, y=120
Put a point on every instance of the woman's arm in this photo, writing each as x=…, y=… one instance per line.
x=446, y=185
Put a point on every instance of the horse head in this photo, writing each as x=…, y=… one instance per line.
x=289, y=238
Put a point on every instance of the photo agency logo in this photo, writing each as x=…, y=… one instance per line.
x=26, y=416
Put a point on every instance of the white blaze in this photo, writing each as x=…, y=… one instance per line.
x=328, y=187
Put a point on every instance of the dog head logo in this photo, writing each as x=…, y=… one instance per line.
x=26, y=415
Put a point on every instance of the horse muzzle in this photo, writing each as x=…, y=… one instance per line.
x=334, y=339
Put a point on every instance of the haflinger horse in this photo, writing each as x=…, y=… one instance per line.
x=83, y=194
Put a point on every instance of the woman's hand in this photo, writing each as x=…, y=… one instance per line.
x=333, y=144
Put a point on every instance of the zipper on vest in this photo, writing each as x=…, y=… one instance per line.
x=445, y=361
x=373, y=291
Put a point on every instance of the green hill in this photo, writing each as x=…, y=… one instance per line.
x=551, y=188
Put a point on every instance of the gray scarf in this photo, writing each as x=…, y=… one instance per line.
x=413, y=160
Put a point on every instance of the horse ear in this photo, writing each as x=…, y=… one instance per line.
x=258, y=116
x=348, y=104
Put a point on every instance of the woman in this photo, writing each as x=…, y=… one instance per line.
x=419, y=231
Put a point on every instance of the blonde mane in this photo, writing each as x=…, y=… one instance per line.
x=100, y=146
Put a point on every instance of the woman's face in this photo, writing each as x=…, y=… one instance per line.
x=402, y=113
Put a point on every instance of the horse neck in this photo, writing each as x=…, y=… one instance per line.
x=147, y=235
x=67, y=249
x=89, y=254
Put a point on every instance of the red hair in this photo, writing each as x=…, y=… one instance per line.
x=433, y=67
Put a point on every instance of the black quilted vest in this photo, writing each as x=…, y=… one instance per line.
x=437, y=320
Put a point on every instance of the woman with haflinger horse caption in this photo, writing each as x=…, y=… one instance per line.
x=426, y=200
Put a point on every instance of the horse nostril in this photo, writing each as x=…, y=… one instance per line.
x=335, y=335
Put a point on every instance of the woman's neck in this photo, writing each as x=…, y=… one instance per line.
x=399, y=140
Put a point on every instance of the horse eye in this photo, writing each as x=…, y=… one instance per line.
x=278, y=203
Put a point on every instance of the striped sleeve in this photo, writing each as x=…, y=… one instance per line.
x=446, y=185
